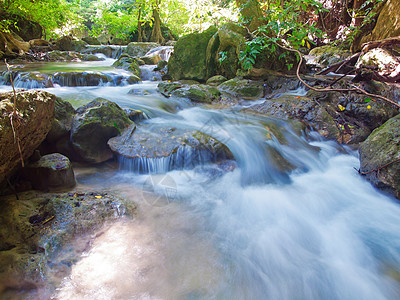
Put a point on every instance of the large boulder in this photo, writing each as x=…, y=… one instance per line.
x=52, y=172
x=379, y=157
x=91, y=40
x=189, y=58
x=92, y=127
x=387, y=24
x=35, y=114
x=232, y=39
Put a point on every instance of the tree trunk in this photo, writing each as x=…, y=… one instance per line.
x=251, y=13
x=156, y=35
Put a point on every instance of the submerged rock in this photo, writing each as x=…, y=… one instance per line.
x=39, y=226
x=379, y=157
x=155, y=148
x=93, y=125
x=35, y=113
x=52, y=172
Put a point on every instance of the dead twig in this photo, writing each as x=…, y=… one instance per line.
x=15, y=115
x=379, y=168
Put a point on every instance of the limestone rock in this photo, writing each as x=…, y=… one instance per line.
x=36, y=110
x=52, y=172
x=379, y=149
x=93, y=125
x=189, y=58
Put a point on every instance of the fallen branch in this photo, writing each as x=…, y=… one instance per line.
x=379, y=168
x=381, y=43
x=337, y=66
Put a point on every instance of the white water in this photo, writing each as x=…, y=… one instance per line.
x=318, y=232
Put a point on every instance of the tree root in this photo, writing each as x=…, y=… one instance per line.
x=330, y=89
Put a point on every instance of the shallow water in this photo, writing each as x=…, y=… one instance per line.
x=314, y=229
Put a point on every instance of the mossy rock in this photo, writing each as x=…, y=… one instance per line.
x=167, y=88
x=328, y=54
x=91, y=40
x=242, y=88
x=197, y=93
x=128, y=63
x=216, y=80
x=52, y=172
x=189, y=58
x=92, y=127
x=381, y=148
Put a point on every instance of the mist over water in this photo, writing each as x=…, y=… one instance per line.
x=292, y=220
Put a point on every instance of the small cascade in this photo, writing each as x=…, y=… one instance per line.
x=37, y=80
x=184, y=158
x=148, y=73
x=110, y=51
x=163, y=51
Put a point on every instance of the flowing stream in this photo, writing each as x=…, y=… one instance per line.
x=289, y=219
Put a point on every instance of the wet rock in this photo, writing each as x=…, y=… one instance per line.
x=63, y=116
x=151, y=60
x=93, y=125
x=379, y=157
x=216, y=80
x=128, y=63
x=139, y=49
x=197, y=93
x=156, y=141
x=161, y=65
x=136, y=115
x=35, y=111
x=189, y=58
x=166, y=88
x=52, y=172
x=242, y=88
x=35, y=229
